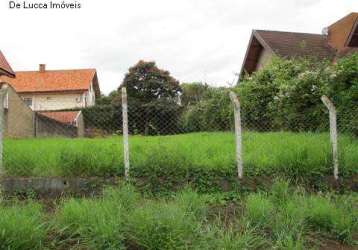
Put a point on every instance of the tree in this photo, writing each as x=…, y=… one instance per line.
x=153, y=97
x=106, y=99
x=145, y=82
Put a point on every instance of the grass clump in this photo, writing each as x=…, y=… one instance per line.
x=174, y=224
x=98, y=223
x=326, y=216
x=259, y=210
x=232, y=239
x=95, y=224
x=22, y=227
x=287, y=216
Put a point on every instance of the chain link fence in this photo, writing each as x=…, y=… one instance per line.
x=109, y=139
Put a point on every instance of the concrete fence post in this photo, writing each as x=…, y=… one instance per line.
x=3, y=93
x=125, y=133
x=333, y=132
x=238, y=136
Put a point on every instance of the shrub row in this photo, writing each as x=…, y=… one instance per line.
x=285, y=95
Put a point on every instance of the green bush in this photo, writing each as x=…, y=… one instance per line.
x=344, y=91
x=159, y=117
x=107, y=118
x=22, y=227
x=285, y=95
x=213, y=112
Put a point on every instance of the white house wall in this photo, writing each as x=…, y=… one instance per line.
x=58, y=101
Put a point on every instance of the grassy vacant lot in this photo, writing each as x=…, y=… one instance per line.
x=288, y=154
x=282, y=218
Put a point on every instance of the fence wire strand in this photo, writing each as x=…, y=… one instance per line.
x=166, y=133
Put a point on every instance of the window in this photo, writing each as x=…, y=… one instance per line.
x=28, y=101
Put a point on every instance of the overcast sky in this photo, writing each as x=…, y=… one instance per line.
x=196, y=40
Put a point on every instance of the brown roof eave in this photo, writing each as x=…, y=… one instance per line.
x=242, y=71
x=256, y=35
x=262, y=42
x=7, y=73
x=351, y=33
x=346, y=16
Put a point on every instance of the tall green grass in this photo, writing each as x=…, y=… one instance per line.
x=22, y=227
x=289, y=214
x=97, y=223
x=283, y=218
x=289, y=154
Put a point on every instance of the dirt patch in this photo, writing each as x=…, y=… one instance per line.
x=327, y=244
x=53, y=187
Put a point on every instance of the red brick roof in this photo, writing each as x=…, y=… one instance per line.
x=5, y=68
x=54, y=80
x=66, y=117
x=293, y=44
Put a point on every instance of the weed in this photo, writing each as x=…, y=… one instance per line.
x=259, y=210
x=95, y=223
x=21, y=227
x=167, y=225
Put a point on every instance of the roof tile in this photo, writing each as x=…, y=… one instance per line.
x=293, y=44
x=66, y=117
x=52, y=80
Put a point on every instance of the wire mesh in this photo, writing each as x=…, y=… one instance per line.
x=87, y=141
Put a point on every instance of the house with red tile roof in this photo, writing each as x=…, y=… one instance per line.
x=20, y=121
x=36, y=100
x=338, y=39
x=51, y=90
